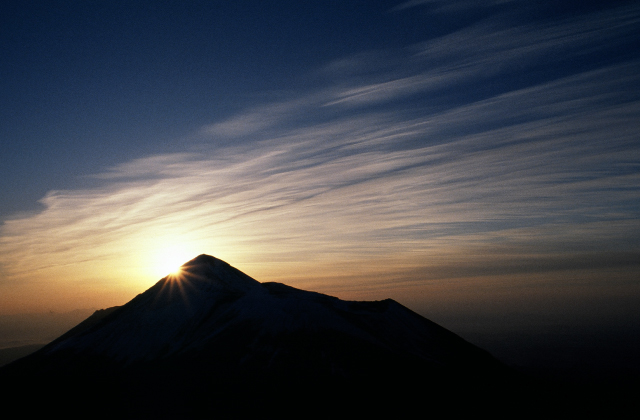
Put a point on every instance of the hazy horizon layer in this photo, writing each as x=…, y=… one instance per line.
x=582, y=355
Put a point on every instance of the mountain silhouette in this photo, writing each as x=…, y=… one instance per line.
x=213, y=341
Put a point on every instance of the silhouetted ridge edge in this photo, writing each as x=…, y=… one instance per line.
x=212, y=337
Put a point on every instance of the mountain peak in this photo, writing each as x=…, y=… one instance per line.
x=211, y=335
x=213, y=271
x=202, y=259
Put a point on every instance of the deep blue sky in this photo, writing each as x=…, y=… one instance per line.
x=88, y=84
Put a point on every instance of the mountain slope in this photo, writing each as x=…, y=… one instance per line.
x=213, y=339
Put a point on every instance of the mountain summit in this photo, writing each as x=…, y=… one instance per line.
x=212, y=339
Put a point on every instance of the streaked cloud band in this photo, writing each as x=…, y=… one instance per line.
x=543, y=177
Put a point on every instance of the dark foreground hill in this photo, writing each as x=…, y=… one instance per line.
x=213, y=342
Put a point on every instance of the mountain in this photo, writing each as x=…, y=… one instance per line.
x=213, y=341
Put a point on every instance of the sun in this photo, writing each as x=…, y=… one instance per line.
x=170, y=260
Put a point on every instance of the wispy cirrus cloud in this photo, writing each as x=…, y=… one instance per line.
x=360, y=181
x=368, y=176
x=492, y=49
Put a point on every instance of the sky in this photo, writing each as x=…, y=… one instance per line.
x=479, y=162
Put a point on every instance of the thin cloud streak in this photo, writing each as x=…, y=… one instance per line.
x=489, y=49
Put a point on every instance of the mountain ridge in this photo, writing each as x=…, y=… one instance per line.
x=216, y=333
